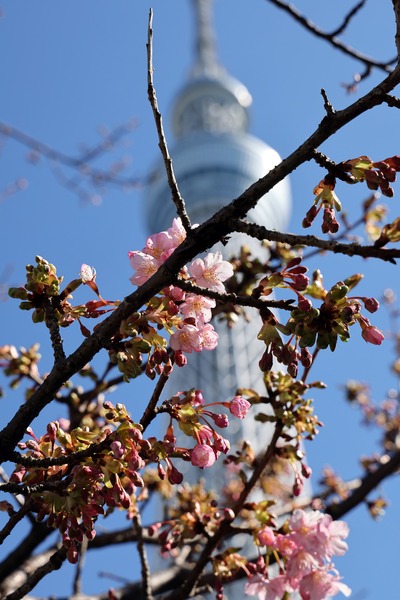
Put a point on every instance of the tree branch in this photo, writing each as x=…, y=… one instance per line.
x=353, y=249
x=331, y=37
x=162, y=142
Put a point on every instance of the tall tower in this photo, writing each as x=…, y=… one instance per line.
x=215, y=159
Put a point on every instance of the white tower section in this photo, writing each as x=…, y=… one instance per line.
x=215, y=159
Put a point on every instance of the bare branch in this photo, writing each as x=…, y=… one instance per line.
x=162, y=142
x=354, y=249
x=367, y=485
x=95, y=175
x=148, y=595
x=150, y=412
x=396, y=7
x=53, y=564
x=348, y=18
x=249, y=301
x=331, y=38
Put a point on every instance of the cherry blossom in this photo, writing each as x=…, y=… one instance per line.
x=321, y=584
x=211, y=272
x=202, y=456
x=187, y=339
x=198, y=307
x=145, y=266
x=87, y=273
x=239, y=407
x=209, y=337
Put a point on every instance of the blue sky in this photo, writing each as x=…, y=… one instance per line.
x=68, y=68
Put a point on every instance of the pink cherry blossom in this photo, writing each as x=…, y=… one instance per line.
x=209, y=337
x=187, y=339
x=145, y=266
x=318, y=534
x=177, y=232
x=198, y=307
x=239, y=407
x=159, y=246
x=202, y=456
x=211, y=272
x=267, y=589
x=266, y=536
x=87, y=273
x=321, y=584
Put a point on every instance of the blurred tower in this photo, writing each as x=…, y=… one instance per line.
x=215, y=159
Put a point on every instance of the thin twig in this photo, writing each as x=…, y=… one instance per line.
x=353, y=249
x=149, y=413
x=77, y=584
x=327, y=104
x=331, y=38
x=249, y=301
x=162, y=142
x=368, y=483
x=145, y=569
x=54, y=563
x=348, y=18
x=14, y=520
x=67, y=459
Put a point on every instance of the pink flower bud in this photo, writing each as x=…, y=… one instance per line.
x=372, y=334
x=202, y=456
x=371, y=304
x=266, y=536
x=304, y=304
x=180, y=358
x=239, y=407
x=220, y=420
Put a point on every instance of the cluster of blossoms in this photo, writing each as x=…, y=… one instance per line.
x=72, y=494
x=303, y=548
x=193, y=331
x=195, y=419
x=308, y=325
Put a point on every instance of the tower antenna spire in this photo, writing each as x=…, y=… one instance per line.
x=206, y=59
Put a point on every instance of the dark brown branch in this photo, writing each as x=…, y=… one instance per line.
x=145, y=569
x=234, y=298
x=396, y=8
x=392, y=101
x=54, y=330
x=150, y=413
x=67, y=459
x=331, y=38
x=53, y=564
x=367, y=485
x=15, y=518
x=348, y=18
x=261, y=233
x=24, y=550
x=162, y=142
x=335, y=169
x=327, y=104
